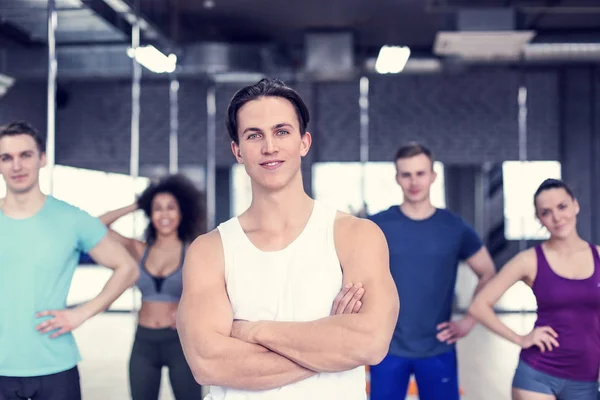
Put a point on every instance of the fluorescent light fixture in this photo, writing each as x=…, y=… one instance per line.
x=6, y=83
x=153, y=59
x=392, y=59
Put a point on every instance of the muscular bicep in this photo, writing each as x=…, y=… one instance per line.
x=364, y=256
x=110, y=253
x=519, y=268
x=204, y=309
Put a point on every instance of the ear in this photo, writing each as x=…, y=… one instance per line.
x=576, y=204
x=43, y=160
x=433, y=176
x=235, y=149
x=305, y=143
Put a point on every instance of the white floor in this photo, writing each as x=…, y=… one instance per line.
x=486, y=361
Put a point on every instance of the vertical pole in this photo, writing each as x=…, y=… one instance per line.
x=51, y=112
x=211, y=132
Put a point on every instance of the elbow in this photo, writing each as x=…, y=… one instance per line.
x=133, y=274
x=202, y=373
x=375, y=348
x=478, y=308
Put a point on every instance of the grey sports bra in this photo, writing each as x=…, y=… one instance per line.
x=159, y=288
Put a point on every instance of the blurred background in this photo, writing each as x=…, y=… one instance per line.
x=505, y=92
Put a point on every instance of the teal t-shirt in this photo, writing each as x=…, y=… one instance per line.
x=38, y=256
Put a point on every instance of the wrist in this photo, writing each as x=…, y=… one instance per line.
x=86, y=311
x=518, y=340
x=255, y=334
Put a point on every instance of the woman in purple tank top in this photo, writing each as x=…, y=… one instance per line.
x=560, y=357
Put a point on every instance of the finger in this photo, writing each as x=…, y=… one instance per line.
x=547, y=343
x=49, y=328
x=357, y=307
x=550, y=331
x=453, y=339
x=346, y=299
x=443, y=325
x=45, y=325
x=45, y=313
x=551, y=341
x=62, y=331
x=338, y=298
x=444, y=335
x=350, y=307
x=540, y=344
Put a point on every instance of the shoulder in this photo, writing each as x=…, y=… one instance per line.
x=525, y=260
x=450, y=216
x=64, y=208
x=354, y=231
x=61, y=205
x=206, y=244
x=382, y=215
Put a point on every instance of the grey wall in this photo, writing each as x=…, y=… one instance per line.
x=466, y=118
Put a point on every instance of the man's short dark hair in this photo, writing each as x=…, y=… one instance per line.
x=413, y=149
x=23, y=128
x=265, y=88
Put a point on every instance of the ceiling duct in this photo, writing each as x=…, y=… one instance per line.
x=329, y=56
x=112, y=62
x=483, y=34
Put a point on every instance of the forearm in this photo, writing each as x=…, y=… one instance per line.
x=111, y=216
x=331, y=344
x=483, y=280
x=121, y=279
x=239, y=365
x=485, y=314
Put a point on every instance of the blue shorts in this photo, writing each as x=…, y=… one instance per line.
x=437, y=377
x=528, y=378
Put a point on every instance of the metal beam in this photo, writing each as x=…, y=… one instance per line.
x=16, y=34
x=107, y=13
x=121, y=15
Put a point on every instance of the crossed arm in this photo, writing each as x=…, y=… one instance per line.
x=341, y=342
x=213, y=344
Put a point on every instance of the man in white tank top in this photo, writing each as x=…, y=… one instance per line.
x=255, y=318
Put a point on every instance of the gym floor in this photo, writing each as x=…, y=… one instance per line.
x=486, y=362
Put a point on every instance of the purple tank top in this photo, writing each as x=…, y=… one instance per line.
x=572, y=308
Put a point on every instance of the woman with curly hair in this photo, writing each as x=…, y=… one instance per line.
x=175, y=209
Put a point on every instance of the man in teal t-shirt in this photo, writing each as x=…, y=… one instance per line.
x=41, y=239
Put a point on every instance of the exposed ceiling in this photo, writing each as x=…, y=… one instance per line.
x=282, y=26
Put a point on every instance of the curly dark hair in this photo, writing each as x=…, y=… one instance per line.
x=191, y=205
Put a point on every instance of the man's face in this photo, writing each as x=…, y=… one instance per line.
x=20, y=162
x=415, y=176
x=270, y=144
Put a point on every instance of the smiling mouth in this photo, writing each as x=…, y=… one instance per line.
x=271, y=164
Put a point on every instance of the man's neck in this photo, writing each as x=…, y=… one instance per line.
x=276, y=210
x=23, y=205
x=417, y=211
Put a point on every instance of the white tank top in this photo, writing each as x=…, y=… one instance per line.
x=298, y=283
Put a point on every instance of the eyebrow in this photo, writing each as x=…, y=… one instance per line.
x=21, y=153
x=274, y=127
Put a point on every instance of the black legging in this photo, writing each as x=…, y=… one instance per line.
x=153, y=349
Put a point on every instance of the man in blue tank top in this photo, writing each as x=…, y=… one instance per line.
x=42, y=238
x=426, y=245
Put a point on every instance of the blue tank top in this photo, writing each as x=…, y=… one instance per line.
x=161, y=288
x=572, y=308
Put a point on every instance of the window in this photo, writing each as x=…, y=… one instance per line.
x=96, y=192
x=241, y=190
x=521, y=180
x=340, y=184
